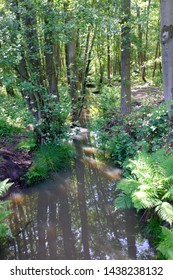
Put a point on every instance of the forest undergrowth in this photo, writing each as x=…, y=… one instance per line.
x=141, y=144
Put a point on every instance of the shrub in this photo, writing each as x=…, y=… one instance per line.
x=121, y=137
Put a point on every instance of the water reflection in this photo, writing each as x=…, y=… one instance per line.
x=72, y=216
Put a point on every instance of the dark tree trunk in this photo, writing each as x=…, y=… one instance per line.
x=125, y=60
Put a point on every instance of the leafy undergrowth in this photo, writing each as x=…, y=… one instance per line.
x=141, y=143
x=49, y=158
x=14, y=115
x=149, y=188
x=4, y=213
x=147, y=127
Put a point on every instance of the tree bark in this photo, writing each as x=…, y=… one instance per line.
x=51, y=56
x=166, y=11
x=125, y=60
x=70, y=55
x=108, y=60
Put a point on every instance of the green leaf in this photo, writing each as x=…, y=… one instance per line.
x=165, y=212
x=123, y=201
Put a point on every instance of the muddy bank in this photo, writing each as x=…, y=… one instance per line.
x=14, y=165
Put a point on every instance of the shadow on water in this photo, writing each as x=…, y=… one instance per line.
x=72, y=216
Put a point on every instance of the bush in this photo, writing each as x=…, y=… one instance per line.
x=13, y=115
x=121, y=137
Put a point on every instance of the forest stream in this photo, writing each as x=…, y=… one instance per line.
x=72, y=215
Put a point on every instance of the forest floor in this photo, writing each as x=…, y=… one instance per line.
x=146, y=95
x=15, y=162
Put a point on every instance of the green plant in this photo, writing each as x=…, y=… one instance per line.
x=28, y=144
x=150, y=185
x=121, y=137
x=166, y=244
x=49, y=158
x=13, y=115
x=4, y=213
x=4, y=187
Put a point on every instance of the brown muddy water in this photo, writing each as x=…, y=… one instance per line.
x=72, y=216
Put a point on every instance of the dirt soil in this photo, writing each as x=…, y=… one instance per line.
x=14, y=163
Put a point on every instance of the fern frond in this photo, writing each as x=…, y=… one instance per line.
x=123, y=201
x=128, y=185
x=166, y=245
x=145, y=169
x=4, y=186
x=144, y=198
x=165, y=212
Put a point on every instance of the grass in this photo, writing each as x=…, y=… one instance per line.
x=49, y=158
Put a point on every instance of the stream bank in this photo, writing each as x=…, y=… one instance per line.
x=72, y=216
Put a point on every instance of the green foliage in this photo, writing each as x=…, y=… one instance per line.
x=49, y=158
x=121, y=137
x=4, y=187
x=4, y=213
x=166, y=243
x=6, y=129
x=13, y=115
x=28, y=144
x=56, y=122
x=151, y=184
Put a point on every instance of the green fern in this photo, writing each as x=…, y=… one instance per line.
x=166, y=245
x=4, y=186
x=143, y=198
x=165, y=212
x=128, y=185
x=152, y=184
x=123, y=201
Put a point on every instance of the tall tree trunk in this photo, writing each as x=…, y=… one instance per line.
x=108, y=59
x=157, y=55
x=166, y=10
x=146, y=45
x=87, y=61
x=51, y=55
x=125, y=60
x=70, y=53
x=139, y=46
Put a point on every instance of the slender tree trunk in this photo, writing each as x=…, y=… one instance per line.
x=108, y=60
x=125, y=60
x=166, y=10
x=51, y=56
x=140, y=52
x=87, y=60
x=157, y=54
x=70, y=53
x=146, y=45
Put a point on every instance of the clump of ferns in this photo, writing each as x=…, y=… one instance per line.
x=150, y=185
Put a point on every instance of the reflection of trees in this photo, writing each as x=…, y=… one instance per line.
x=72, y=219
x=130, y=229
x=79, y=167
x=48, y=234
